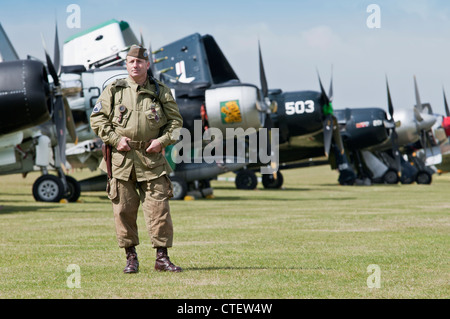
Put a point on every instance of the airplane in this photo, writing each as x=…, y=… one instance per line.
x=436, y=152
x=390, y=156
x=33, y=130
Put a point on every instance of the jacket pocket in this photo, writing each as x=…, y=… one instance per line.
x=117, y=158
x=153, y=160
x=155, y=115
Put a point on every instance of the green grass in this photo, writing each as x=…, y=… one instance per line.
x=312, y=239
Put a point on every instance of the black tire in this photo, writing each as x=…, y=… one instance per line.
x=423, y=178
x=246, y=179
x=179, y=186
x=270, y=182
x=48, y=188
x=74, y=190
x=390, y=177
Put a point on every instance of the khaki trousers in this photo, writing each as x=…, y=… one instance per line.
x=154, y=196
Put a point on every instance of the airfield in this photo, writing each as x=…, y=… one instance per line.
x=311, y=239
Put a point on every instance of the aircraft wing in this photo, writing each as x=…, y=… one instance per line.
x=7, y=51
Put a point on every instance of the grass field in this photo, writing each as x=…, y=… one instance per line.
x=312, y=239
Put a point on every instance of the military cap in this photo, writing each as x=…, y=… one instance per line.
x=138, y=52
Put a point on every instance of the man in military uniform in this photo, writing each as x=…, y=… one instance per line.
x=137, y=116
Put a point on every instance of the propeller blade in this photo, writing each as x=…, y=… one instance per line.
x=50, y=66
x=394, y=136
x=322, y=90
x=337, y=136
x=396, y=151
x=266, y=106
x=142, y=39
x=262, y=74
x=330, y=92
x=59, y=119
x=70, y=123
x=327, y=107
x=447, y=112
x=327, y=133
x=56, y=56
x=416, y=91
x=268, y=124
x=390, y=106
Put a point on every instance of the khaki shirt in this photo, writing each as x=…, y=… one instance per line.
x=125, y=109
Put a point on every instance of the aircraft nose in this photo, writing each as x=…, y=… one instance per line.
x=427, y=122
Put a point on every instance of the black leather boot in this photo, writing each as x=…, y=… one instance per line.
x=163, y=262
x=132, y=266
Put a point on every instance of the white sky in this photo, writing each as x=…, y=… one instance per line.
x=297, y=36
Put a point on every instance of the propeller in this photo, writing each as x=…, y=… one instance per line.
x=61, y=115
x=425, y=139
x=330, y=124
x=70, y=123
x=262, y=73
x=266, y=106
x=394, y=135
x=417, y=111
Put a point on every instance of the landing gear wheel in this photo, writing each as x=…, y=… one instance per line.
x=74, y=191
x=270, y=182
x=246, y=179
x=423, y=178
x=180, y=187
x=390, y=177
x=48, y=188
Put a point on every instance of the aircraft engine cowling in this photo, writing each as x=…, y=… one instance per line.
x=364, y=127
x=24, y=92
x=233, y=106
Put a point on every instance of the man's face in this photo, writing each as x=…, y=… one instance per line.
x=137, y=68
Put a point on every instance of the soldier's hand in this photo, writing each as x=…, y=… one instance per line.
x=155, y=147
x=123, y=144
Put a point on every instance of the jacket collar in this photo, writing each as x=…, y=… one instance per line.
x=147, y=88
